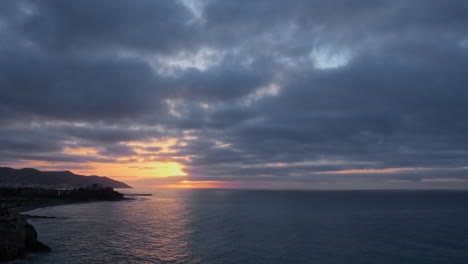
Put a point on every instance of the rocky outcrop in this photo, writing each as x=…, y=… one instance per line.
x=17, y=237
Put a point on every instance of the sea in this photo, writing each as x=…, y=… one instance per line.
x=211, y=226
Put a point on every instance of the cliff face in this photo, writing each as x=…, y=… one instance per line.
x=17, y=237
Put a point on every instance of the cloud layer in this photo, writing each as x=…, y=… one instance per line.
x=306, y=92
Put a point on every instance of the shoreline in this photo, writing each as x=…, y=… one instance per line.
x=33, y=207
x=27, y=241
x=22, y=200
x=19, y=237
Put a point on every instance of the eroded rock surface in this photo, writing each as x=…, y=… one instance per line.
x=17, y=237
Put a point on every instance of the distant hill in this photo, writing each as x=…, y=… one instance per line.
x=57, y=179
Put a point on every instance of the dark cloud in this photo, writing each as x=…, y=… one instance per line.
x=153, y=149
x=75, y=88
x=253, y=90
x=56, y=157
x=117, y=151
x=227, y=81
x=160, y=26
x=93, y=134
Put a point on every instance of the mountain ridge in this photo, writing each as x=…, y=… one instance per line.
x=57, y=179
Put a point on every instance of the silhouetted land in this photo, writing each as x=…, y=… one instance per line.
x=29, y=177
x=23, y=199
x=17, y=236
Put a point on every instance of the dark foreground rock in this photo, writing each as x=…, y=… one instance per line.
x=17, y=237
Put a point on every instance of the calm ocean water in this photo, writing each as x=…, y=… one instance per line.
x=233, y=226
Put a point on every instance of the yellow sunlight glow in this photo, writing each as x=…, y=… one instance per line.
x=148, y=161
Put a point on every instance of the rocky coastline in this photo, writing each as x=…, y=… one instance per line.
x=17, y=237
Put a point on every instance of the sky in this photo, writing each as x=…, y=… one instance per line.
x=297, y=94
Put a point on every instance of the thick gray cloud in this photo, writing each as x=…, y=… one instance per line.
x=265, y=90
x=76, y=26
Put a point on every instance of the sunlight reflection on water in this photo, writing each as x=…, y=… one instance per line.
x=151, y=229
x=234, y=226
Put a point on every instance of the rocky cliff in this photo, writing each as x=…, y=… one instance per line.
x=17, y=237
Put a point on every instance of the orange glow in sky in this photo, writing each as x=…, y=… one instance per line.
x=131, y=170
x=147, y=164
x=146, y=161
x=186, y=184
x=146, y=169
